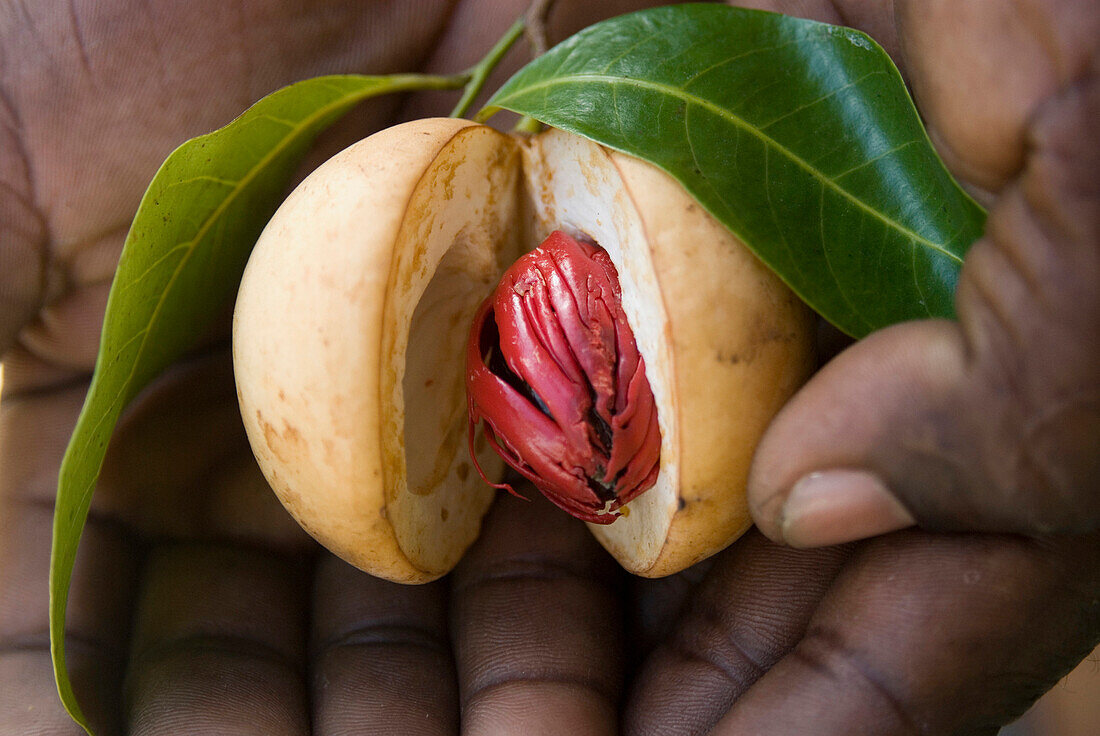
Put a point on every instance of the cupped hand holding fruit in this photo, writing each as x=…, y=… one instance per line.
x=234, y=628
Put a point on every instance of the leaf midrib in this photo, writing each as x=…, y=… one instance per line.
x=741, y=123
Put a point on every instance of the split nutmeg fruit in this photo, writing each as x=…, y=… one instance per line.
x=627, y=366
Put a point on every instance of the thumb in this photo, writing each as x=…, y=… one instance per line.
x=907, y=427
x=872, y=443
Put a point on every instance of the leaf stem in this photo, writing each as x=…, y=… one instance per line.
x=537, y=14
x=527, y=124
x=479, y=73
x=430, y=81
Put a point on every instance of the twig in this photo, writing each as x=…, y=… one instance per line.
x=537, y=14
x=479, y=72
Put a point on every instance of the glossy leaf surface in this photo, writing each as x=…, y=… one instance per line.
x=799, y=136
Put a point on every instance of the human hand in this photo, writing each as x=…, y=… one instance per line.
x=989, y=424
x=197, y=604
x=228, y=639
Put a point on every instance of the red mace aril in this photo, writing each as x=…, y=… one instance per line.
x=553, y=371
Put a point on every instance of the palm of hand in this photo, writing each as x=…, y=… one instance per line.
x=197, y=605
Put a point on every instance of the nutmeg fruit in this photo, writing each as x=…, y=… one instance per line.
x=351, y=324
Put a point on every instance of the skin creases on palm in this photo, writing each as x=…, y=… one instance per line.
x=197, y=601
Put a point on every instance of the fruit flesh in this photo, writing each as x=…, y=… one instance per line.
x=460, y=231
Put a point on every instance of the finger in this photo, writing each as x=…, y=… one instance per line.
x=933, y=634
x=981, y=71
x=220, y=623
x=180, y=466
x=33, y=433
x=191, y=81
x=173, y=434
x=381, y=659
x=749, y=612
x=536, y=626
x=25, y=374
x=992, y=424
x=218, y=644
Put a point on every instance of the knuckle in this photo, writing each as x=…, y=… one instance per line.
x=827, y=653
x=1058, y=461
x=374, y=634
x=732, y=650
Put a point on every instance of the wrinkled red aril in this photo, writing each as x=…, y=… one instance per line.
x=554, y=373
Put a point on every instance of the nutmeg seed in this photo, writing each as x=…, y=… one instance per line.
x=553, y=370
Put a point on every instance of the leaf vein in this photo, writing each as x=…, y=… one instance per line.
x=819, y=100
x=185, y=245
x=201, y=178
x=916, y=281
x=879, y=157
x=694, y=77
x=829, y=261
x=632, y=47
x=281, y=121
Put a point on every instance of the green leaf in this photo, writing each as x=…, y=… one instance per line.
x=182, y=261
x=799, y=136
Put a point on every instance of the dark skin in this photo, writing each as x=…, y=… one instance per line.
x=198, y=606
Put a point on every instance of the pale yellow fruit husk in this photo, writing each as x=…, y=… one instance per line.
x=353, y=314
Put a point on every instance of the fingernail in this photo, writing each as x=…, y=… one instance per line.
x=837, y=506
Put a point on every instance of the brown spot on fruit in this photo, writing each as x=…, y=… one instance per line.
x=269, y=432
x=291, y=434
